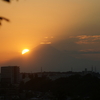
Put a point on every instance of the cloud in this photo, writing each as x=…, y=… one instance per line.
x=84, y=51
x=47, y=40
x=85, y=42
x=87, y=39
x=89, y=51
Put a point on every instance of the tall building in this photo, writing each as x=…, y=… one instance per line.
x=10, y=74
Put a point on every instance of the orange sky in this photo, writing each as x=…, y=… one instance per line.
x=32, y=20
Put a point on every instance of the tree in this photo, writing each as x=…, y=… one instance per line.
x=3, y=18
x=8, y=0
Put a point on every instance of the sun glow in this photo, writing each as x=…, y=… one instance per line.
x=25, y=51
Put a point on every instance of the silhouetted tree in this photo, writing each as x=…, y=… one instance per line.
x=8, y=0
x=3, y=18
x=77, y=87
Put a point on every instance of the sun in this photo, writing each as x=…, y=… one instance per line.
x=25, y=51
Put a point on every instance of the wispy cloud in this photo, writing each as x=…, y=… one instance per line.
x=86, y=39
x=84, y=51
x=89, y=51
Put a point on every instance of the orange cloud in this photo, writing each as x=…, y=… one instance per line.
x=85, y=42
x=87, y=39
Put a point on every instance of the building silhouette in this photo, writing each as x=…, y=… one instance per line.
x=10, y=74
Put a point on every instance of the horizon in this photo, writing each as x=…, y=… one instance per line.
x=47, y=56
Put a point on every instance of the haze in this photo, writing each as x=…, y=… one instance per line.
x=70, y=25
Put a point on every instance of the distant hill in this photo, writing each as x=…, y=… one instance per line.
x=49, y=58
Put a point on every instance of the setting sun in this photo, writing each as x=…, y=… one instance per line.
x=25, y=51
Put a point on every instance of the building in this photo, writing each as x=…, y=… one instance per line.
x=10, y=74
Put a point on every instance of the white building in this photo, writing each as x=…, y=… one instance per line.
x=10, y=74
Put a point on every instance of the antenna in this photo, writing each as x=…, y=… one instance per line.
x=92, y=68
x=95, y=69
x=41, y=69
x=71, y=68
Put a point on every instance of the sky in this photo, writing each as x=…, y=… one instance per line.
x=69, y=25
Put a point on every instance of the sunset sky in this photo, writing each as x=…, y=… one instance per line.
x=70, y=25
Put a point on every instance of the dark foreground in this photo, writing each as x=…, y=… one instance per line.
x=75, y=87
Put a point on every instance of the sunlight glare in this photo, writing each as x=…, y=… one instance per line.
x=25, y=51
